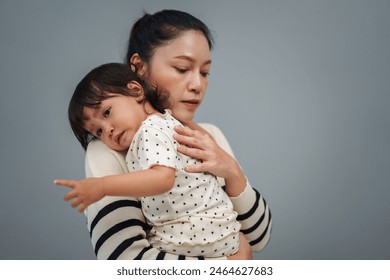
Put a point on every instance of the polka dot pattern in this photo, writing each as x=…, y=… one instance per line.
x=195, y=217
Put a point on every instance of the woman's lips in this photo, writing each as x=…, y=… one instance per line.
x=192, y=103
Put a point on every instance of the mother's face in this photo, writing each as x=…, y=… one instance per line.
x=182, y=67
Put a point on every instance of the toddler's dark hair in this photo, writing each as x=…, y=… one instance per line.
x=98, y=85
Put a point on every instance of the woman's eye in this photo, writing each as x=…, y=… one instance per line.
x=106, y=113
x=181, y=70
x=205, y=74
x=99, y=132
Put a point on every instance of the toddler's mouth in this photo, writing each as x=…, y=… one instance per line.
x=118, y=137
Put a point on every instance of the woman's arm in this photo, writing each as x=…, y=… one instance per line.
x=218, y=158
x=116, y=225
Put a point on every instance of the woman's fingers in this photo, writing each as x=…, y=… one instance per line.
x=191, y=152
x=196, y=168
x=187, y=140
x=196, y=145
x=201, y=146
x=185, y=131
x=189, y=137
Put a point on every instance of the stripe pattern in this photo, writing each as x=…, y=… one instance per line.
x=115, y=237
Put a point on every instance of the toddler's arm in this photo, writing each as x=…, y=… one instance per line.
x=153, y=181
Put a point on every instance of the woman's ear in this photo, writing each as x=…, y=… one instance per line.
x=136, y=89
x=138, y=65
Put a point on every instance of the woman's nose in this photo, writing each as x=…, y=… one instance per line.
x=195, y=84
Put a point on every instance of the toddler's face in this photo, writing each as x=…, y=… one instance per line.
x=115, y=121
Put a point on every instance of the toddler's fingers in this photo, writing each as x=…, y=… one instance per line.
x=66, y=183
x=82, y=208
x=70, y=195
x=76, y=202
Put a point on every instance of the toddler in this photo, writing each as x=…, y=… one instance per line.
x=190, y=214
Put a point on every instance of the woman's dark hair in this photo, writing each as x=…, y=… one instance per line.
x=153, y=31
x=101, y=83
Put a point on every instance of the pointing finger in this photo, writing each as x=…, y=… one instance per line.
x=66, y=183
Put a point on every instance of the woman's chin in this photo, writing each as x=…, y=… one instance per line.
x=183, y=115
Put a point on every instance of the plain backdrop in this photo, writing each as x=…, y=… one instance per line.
x=300, y=88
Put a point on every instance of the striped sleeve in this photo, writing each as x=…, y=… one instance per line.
x=253, y=211
x=254, y=216
x=118, y=231
x=117, y=225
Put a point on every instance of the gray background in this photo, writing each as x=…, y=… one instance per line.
x=300, y=88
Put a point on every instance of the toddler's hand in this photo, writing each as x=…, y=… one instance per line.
x=83, y=193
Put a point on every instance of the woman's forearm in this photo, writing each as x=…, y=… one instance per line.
x=254, y=216
x=236, y=181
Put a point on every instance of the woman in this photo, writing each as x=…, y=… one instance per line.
x=171, y=49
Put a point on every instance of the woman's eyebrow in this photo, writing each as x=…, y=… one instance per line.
x=190, y=59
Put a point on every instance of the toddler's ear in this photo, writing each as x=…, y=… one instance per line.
x=136, y=90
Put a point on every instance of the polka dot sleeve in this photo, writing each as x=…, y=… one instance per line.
x=154, y=146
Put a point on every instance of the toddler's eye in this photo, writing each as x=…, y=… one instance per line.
x=99, y=132
x=106, y=113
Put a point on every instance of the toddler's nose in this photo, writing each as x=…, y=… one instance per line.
x=108, y=129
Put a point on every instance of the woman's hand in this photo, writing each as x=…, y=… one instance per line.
x=83, y=193
x=199, y=144
x=244, y=252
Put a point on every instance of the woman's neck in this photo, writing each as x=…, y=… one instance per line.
x=149, y=109
x=193, y=125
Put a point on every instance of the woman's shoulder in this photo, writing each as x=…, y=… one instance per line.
x=100, y=160
x=210, y=128
x=214, y=131
x=98, y=148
